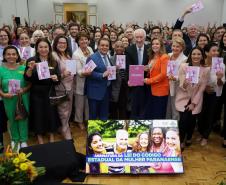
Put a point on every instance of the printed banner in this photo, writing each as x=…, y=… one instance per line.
x=133, y=147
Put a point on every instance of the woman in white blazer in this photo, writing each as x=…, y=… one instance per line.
x=81, y=101
x=177, y=55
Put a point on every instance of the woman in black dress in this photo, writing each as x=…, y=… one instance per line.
x=43, y=116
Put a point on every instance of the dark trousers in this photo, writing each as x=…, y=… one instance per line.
x=156, y=107
x=118, y=110
x=206, y=117
x=3, y=123
x=186, y=125
x=219, y=105
x=224, y=126
x=138, y=101
x=99, y=109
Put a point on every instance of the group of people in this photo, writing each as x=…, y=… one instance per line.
x=92, y=96
x=158, y=140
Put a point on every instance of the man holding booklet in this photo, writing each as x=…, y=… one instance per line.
x=136, y=58
x=97, y=85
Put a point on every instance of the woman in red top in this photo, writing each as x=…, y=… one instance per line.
x=158, y=59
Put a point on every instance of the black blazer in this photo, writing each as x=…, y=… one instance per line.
x=69, y=46
x=186, y=38
x=92, y=45
x=132, y=56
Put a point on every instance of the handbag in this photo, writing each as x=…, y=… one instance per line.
x=59, y=97
x=21, y=112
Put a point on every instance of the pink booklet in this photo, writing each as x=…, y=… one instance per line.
x=90, y=66
x=121, y=61
x=196, y=7
x=217, y=64
x=172, y=68
x=136, y=75
x=25, y=52
x=43, y=70
x=192, y=74
x=71, y=66
x=112, y=71
x=13, y=86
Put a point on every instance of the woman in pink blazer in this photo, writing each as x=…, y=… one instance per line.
x=189, y=96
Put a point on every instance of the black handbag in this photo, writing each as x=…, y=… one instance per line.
x=21, y=112
x=56, y=98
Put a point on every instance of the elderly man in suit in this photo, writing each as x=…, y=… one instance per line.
x=137, y=54
x=97, y=86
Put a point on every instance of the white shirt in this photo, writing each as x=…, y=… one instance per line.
x=74, y=45
x=142, y=53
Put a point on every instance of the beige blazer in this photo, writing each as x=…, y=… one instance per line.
x=175, y=84
x=80, y=59
x=192, y=92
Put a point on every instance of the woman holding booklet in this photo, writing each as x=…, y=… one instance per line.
x=81, y=101
x=223, y=97
x=5, y=40
x=25, y=50
x=158, y=59
x=12, y=84
x=44, y=117
x=177, y=57
x=193, y=77
x=118, y=101
x=213, y=90
x=62, y=56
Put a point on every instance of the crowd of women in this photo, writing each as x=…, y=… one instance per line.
x=162, y=96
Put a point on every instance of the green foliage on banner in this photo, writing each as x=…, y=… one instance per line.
x=108, y=128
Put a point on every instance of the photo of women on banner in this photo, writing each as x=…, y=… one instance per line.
x=112, y=71
x=43, y=70
x=196, y=7
x=133, y=147
x=90, y=66
x=192, y=74
x=71, y=66
x=136, y=75
x=217, y=64
x=172, y=68
x=13, y=86
x=121, y=61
